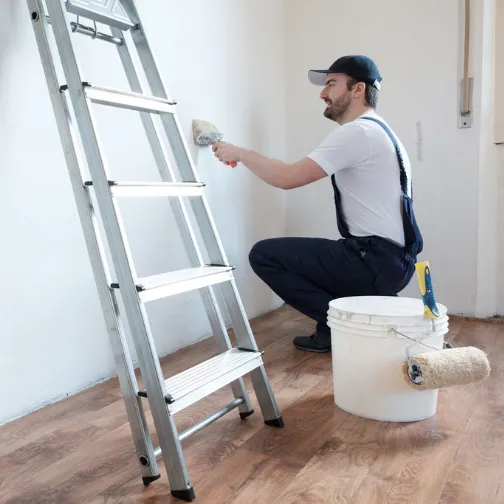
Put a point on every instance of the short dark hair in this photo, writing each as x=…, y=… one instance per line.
x=371, y=91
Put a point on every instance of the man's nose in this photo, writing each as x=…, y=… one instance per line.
x=323, y=94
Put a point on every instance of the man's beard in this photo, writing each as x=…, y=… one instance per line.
x=335, y=110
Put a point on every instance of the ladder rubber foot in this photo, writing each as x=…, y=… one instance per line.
x=246, y=414
x=277, y=422
x=147, y=480
x=187, y=495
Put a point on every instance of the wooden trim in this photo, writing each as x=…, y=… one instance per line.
x=499, y=73
x=467, y=49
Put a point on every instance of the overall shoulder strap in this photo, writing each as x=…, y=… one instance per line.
x=403, y=176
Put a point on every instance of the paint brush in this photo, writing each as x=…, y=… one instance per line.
x=206, y=133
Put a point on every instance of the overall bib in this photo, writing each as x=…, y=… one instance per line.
x=385, y=257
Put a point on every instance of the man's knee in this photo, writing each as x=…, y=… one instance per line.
x=257, y=254
x=262, y=254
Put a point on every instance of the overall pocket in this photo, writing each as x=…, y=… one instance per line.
x=388, y=263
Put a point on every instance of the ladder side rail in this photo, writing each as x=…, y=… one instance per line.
x=123, y=361
x=181, y=214
x=166, y=172
x=135, y=311
x=186, y=166
x=177, y=141
x=240, y=322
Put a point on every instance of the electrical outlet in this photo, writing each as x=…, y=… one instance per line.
x=465, y=121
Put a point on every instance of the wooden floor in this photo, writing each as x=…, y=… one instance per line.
x=80, y=450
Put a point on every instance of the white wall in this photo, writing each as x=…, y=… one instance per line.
x=53, y=336
x=418, y=48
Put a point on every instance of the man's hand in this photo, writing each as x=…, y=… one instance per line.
x=227, y=153
x=274, y=172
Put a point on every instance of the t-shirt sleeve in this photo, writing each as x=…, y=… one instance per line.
x=345, y=147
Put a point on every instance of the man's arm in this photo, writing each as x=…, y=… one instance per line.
x=274, y=172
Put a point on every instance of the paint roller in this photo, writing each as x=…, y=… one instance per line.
x=442, y=368
x=206, y=133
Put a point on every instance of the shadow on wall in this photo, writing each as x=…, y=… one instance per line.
x=8, y=17
x=260, y=198
x=9, y=14
x=245, y=208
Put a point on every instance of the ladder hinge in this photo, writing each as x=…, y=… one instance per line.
x=115, y=285
x=89, y=183
x=168, y=398
x=64, y=87
x=249, y=350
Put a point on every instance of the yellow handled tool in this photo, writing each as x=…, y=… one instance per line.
x=427, y=290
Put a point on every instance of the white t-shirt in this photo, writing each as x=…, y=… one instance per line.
x=364, y=162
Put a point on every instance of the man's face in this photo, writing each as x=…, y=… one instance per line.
x=336, y=96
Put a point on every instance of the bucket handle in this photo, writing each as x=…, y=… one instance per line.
x=416, y=341
x=414, y=374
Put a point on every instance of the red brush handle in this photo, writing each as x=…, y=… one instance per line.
x=232, y=164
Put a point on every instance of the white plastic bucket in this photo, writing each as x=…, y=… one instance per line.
x=368, y=355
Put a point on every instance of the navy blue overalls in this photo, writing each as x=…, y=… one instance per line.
x=308, y=273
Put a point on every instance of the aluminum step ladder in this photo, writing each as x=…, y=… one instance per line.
x=214, y=280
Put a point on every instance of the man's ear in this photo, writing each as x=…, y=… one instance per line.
x=359, y=89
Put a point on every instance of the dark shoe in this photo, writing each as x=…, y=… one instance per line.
x=315, y=343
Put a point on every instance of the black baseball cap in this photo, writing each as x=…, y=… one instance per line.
x=360, y=67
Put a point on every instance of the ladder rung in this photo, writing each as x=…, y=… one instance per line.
x=194, y=429
x=175, y=282
x=133, y=101
x=205, y=378
x=148, y=189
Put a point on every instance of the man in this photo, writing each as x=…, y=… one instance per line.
x=370, y=174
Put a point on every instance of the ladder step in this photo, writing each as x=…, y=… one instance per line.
x=126, y=100
x=109, y=12
x=175, y=282
x=205, y=378
x=148, y=189
x=92, y=32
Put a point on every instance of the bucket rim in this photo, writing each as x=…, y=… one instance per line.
x=397, y=326
x=389, y=333
x=422, y=321
x=384, y=307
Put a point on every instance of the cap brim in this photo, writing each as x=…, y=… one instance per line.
x=318, y=77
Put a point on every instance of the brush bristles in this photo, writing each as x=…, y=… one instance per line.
x=205, y=133
x=208, y=138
